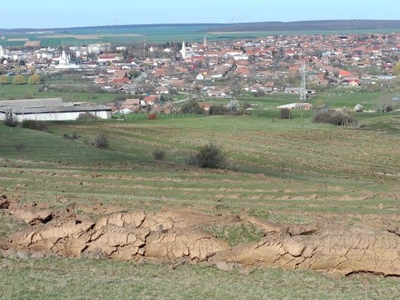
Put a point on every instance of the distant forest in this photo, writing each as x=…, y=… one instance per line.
x=328, y=25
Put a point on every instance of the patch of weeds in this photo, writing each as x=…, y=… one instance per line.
x=34, y=125
x=280, y=218
x=9, y=224
x=72, y=136
x=99, y=141
x=236, y=234
x=158, y=154
x=259, y=213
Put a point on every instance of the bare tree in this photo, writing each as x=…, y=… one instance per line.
x=384, y=103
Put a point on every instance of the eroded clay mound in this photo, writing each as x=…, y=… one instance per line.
x=336, y=252
x=176, y=244
x=179, y=235
x=165, y=235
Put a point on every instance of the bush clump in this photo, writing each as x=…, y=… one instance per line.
x=384, y=107
x=191, y=107
x=234, y=108
x=100, y=141
x=208, y=156
x=286, y=114
x=34, y=125
x=158, y=154
x=10, y=120
x=72, y=136
x=219, y=110
x=334, y=117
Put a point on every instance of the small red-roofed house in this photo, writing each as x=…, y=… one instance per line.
x=150, y=100
x=344, y=73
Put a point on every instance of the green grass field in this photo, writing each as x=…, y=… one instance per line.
x=11, y=91
x=93, y=279
x=152, y=34
x=285, y=171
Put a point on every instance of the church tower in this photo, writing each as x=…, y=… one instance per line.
x=183, y=50
x=65, y=59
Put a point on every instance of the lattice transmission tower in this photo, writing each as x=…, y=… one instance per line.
x=303, y=74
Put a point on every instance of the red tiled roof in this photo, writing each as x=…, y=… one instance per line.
x=150, y=98
x=344, y=73
x=121, y=80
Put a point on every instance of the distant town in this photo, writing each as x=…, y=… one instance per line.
x=223, y=69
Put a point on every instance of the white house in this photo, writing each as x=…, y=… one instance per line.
x=302, y=106
x=112, y=57
x=240, y=57
x=3, y=52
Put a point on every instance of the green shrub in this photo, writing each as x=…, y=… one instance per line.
x=235, y=110
x=18, y=80
x=72, y=136
x=209, y=156
x=35, y=79
x=334, y=117
x=4, y=79
x=219, y=110
x=100, y=141
x=34, y=125
x=191, y=107
x=384, y=107
x=158, y=154
x=286, y=113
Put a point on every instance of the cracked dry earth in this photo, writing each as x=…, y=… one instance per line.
x=176, y=236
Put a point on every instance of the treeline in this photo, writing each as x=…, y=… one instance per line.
x=21, y=79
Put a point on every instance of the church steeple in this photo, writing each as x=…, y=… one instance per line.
x=65, y=59
x=183, y=50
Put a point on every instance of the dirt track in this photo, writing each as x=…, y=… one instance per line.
x=180, y=236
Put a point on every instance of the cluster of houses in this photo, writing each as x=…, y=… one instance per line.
x=268, y=64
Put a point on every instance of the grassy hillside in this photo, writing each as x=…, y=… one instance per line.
x=11, y=91
x=270, y=160
x=285, y=171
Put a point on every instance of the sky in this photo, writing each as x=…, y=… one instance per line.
x=77, y=13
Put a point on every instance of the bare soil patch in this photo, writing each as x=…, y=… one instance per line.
x=175, y=236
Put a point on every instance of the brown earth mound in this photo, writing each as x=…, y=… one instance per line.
x=335, y=252
x=171, y=236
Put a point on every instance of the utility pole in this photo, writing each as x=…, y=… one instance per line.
x=303, y=91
